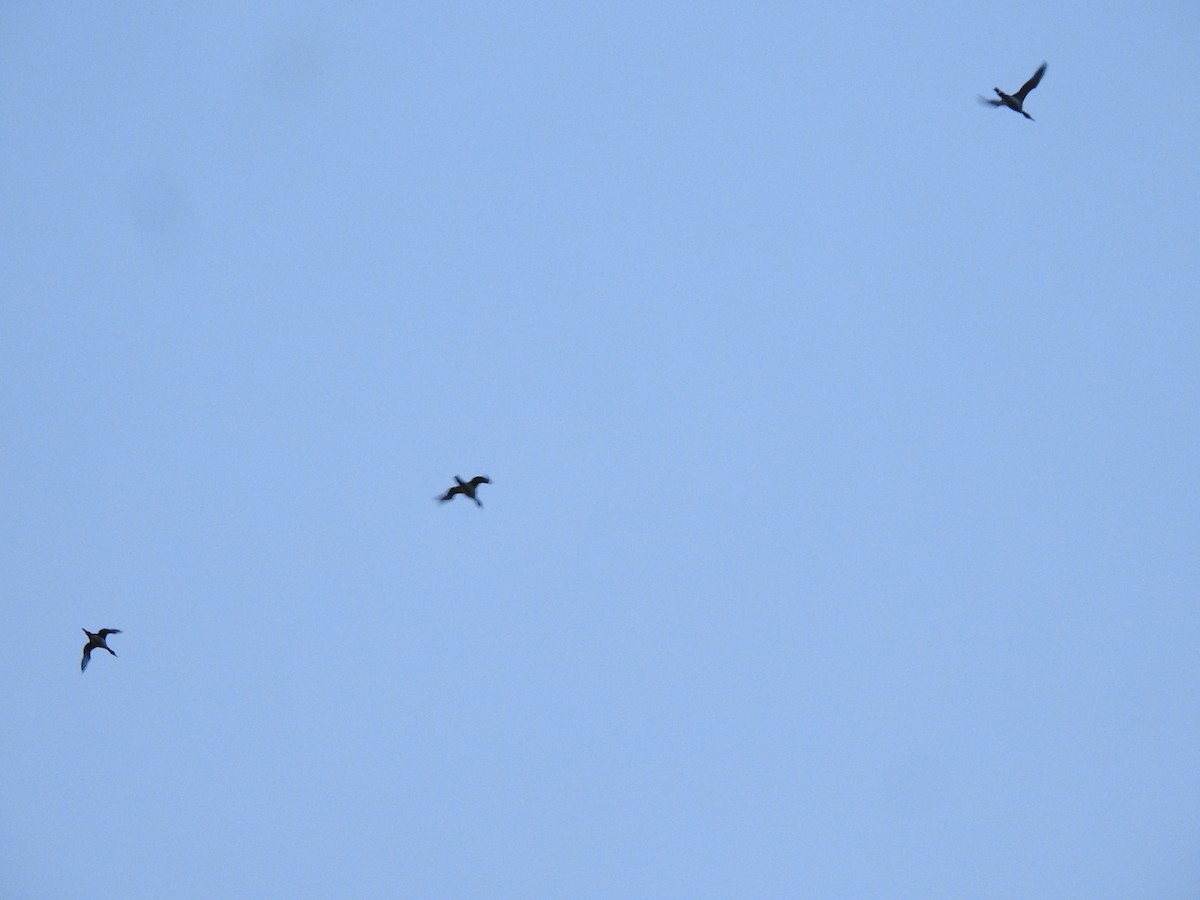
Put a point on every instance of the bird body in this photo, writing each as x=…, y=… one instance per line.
x=97, y=641
x=1016, y=102
x=466, y=488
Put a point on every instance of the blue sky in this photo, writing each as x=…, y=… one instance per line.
x=842, y=539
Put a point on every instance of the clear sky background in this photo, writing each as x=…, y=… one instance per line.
x=843, y=534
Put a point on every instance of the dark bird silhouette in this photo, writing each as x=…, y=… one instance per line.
x=97, y=641
x=466, y=488
x=1016, y=102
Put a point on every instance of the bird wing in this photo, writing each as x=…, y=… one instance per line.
x=1030, y=84
x=478, y=480
x=87, y=655
x=991, y=101
x=449, y=495
x=104, y=632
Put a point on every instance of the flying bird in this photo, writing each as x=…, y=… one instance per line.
x=466, y=488
x=1016, y=102
x=96, y=641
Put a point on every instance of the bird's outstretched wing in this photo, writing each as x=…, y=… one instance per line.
x=1030, y=84
x=104, y=632
x=478, y=480
x=87, y=655
x=449, y=495
x=990, y=101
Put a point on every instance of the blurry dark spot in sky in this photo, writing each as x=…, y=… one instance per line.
x=295, y=68
x=162, y=209
x=914, y=785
